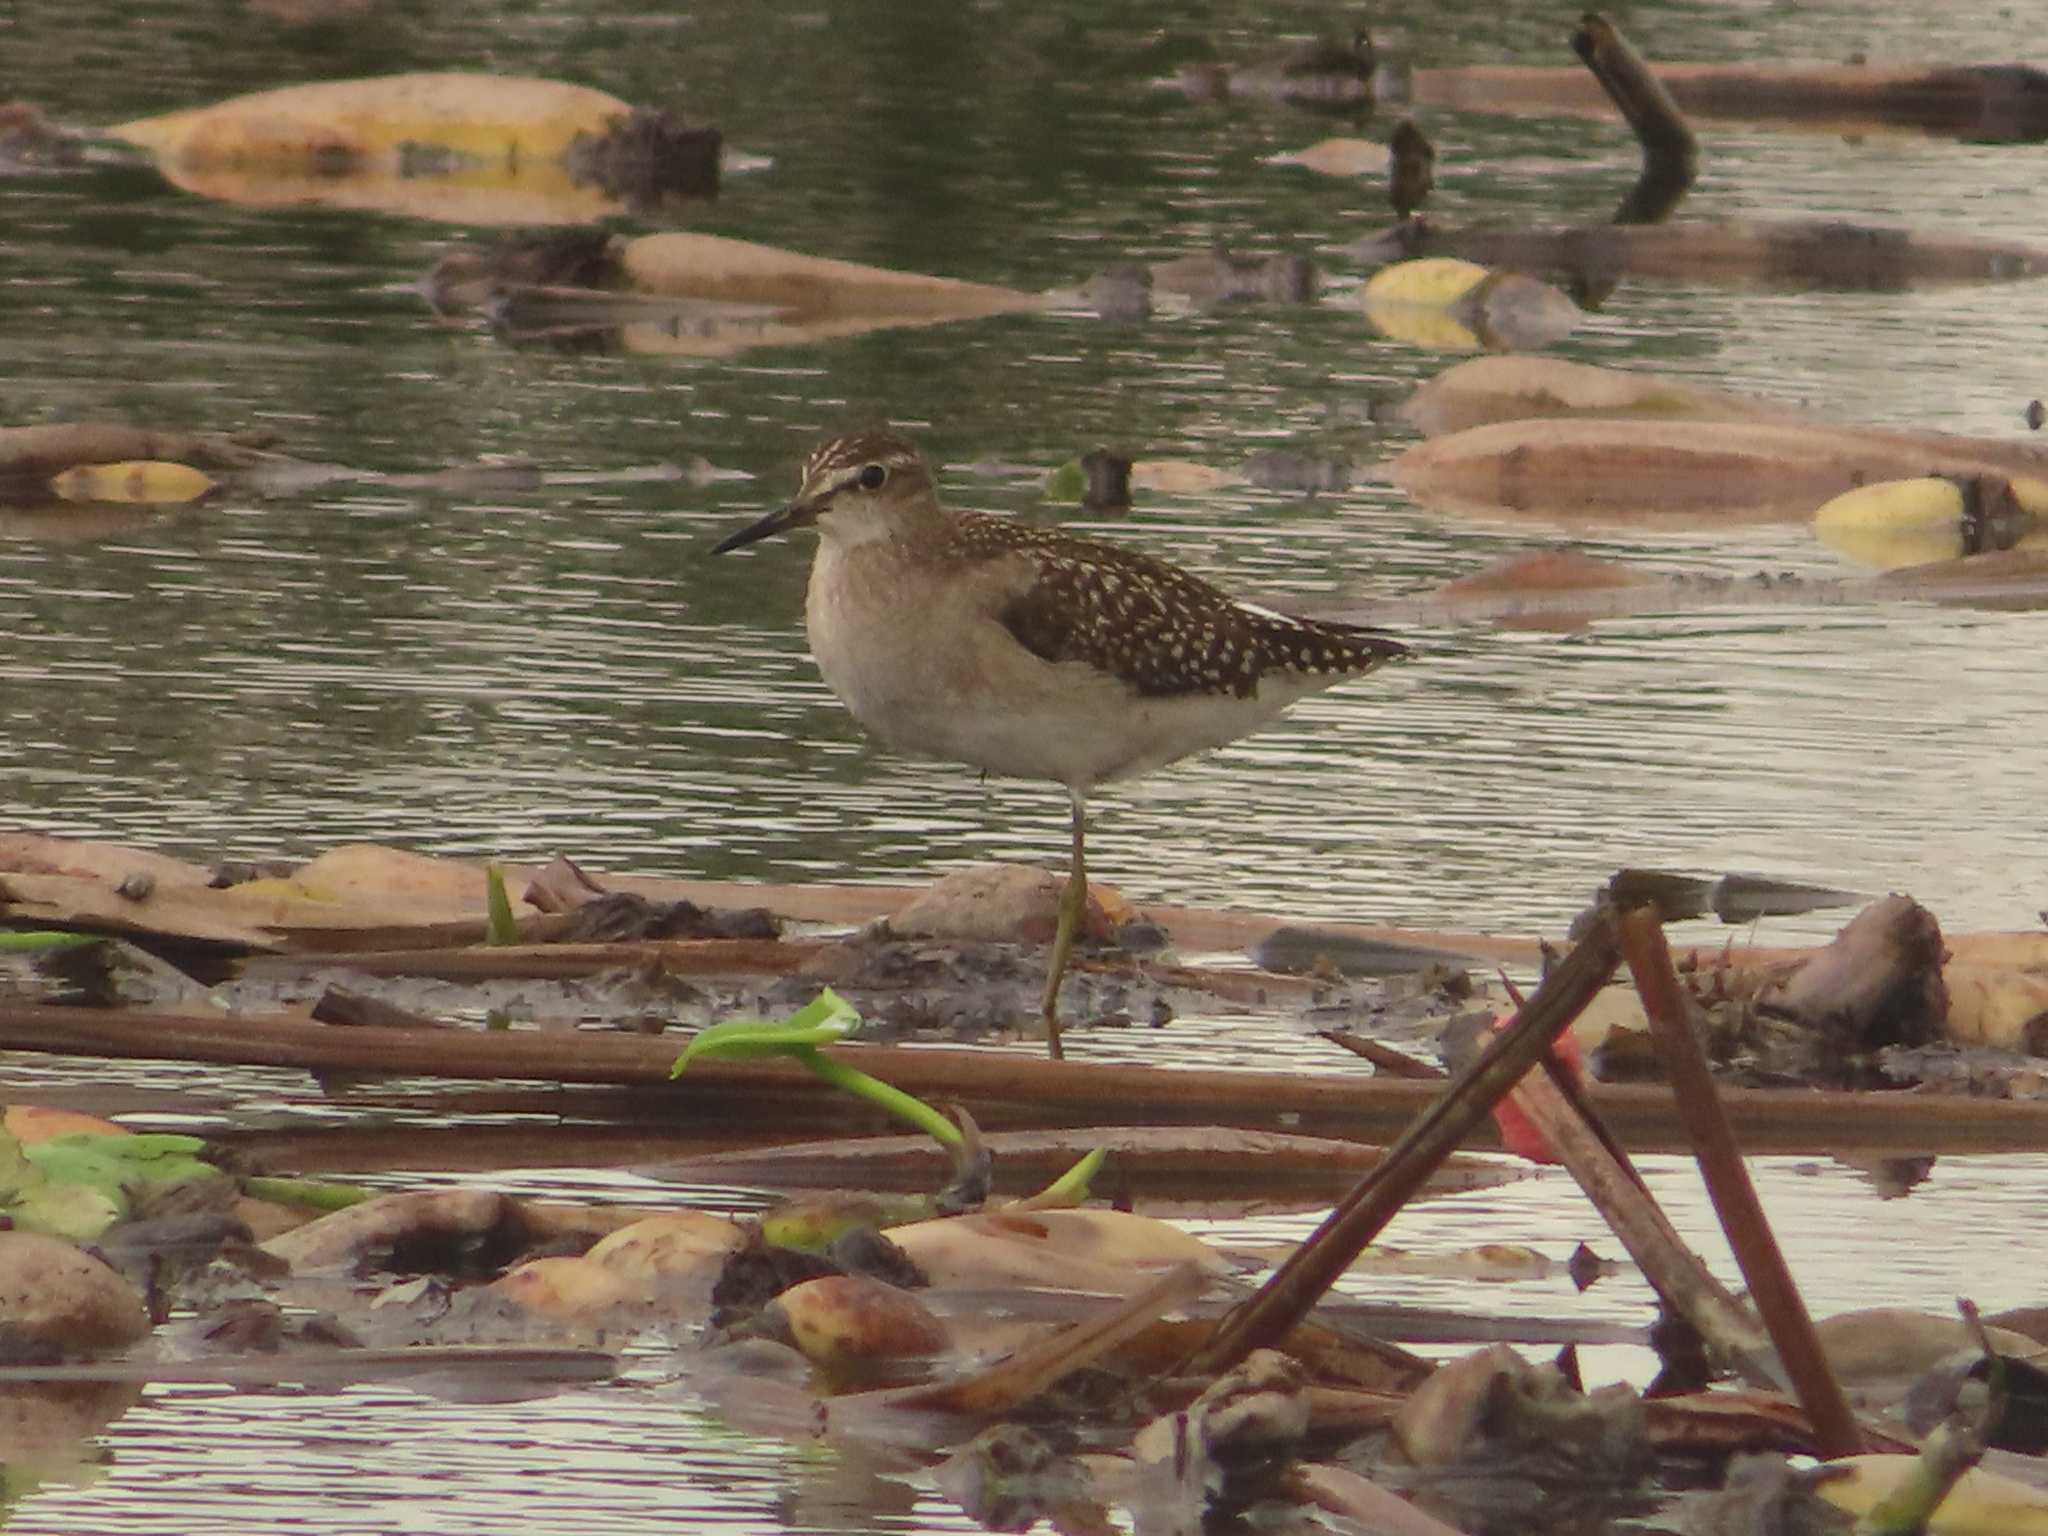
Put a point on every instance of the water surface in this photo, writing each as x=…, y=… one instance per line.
x=519, y=674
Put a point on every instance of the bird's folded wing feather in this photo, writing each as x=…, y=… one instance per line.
x=1162, y=631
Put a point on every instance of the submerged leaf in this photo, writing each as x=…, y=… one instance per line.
x=1434, y=281
x=17, y=1173
x=1516, y=386
x=80, y=1184
x=35, y=1201
x=80, y=1212
x=1915, y=521
x=1338, y=157
x=87, y=1158
x=494, y=117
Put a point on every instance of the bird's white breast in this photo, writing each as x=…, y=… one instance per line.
x=928, y=667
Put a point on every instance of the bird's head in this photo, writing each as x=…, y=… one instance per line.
x=866, y=485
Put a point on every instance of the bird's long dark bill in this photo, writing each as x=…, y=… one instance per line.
x=798, y=514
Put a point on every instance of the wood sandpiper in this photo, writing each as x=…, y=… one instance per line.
x=1028, y=652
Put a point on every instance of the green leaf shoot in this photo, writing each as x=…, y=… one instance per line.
x=499, y=928
x=826, y=1020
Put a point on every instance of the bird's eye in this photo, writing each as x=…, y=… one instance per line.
x=871, y=477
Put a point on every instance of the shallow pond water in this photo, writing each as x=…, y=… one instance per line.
x=521, y=673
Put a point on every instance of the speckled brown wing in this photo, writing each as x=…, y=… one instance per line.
x=1159, y=629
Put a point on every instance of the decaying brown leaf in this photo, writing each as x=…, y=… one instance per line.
x=1517, y=387
x=1595, y=470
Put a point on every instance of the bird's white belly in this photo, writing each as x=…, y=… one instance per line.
x=1068, y=741
x=982, y=699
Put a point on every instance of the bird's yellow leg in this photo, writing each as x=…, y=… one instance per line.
x=1073, y=904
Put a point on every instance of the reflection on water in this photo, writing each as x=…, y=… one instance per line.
x=194, y=1459
x=522, y=673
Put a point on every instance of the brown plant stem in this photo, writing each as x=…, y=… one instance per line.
x=1005, y=1089
x=1670, y=152
x=1610, y=1182
x=1264, y=1320
x=1388, y=1061
x=1728, y=1183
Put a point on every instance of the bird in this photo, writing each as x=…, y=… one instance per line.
x=1028, y=651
